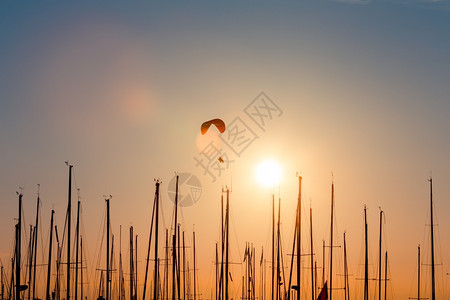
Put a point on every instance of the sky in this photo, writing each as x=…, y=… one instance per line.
x=120, y=89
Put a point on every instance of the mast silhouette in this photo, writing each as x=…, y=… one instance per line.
x=30, y=259
x=418, y=276
x=35, y=242
x=149, y=245
x=346, y=288
x=131, y=265
x=331, y=242
x=81, y=266
x=69, y=213
x=77, y=244
x=155, y=292
x=299, y=227
x=49, y=268
x=174, y=242
x=227, y=220
x=366, y=258
x=312, y=254
x=433, y=282
x=273, y=243
x=195, y=277
x=379, y=256
x=107, y=247
x=18, y=246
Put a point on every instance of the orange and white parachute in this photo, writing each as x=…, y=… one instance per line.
x=217, y=122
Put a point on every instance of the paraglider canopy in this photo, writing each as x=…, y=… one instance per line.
x=217, y=122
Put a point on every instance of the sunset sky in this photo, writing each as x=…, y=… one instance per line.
x=120, y=90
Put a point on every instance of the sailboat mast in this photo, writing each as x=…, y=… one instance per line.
x=345, y=270
x=195, y=276
x=418, y=273
x=18, y=245
x=174, y=242
x=278, y=252
x=184, y=269
x=58, y=265
x=69, y=214
x=81, y=266
x=131, y=264
x=312, y=253
x=273, y=242
x=323, y=262
x=331, y=242
x=76, y=250
x=379, y=256
x=30, y=260
x=136, y=269
x=155, y=292
x=179, y=262
x=433, y=282
x=366, y=258
x=3, y=287
x=217, y=268
x=385, y=275
x=222, y=232
x=227, y=220
x=35, y=242
x=299, y=227
x=107, y=248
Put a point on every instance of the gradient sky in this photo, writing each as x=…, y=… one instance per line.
x=120, y=89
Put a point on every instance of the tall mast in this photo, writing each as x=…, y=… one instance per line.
x=81, y=266
x=418, y=273
x=217, y=272
x=184, y=269
x=148, y=249
x=379, y=256
x=18, y=245
x=385, y=275
x=131, y=265
x=222, y=238
x=323, y=262
x=76, y=250
x=30, y=259
x=331, y=242
x=58, y=265
x=136, y=269
x=433, y=282
x=292, y=259
x=166, y=291
x=155, y=292
x=111, y=259
x=299, y=230
x=35, y=242
x=3, y=287
x=366, y=258
x=107, y=247
x=179, y=262
x=278, y=251
x=345, y=270
x=120, y=266
x=315, y=278
x=174, y=242
x=312, y=253
x=273, y=242
x=227, y=220
x=195, y=276
x=69, y=213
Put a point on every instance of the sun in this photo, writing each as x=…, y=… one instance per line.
x=268, y=173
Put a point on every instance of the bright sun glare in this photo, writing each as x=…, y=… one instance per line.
x=268, y=173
